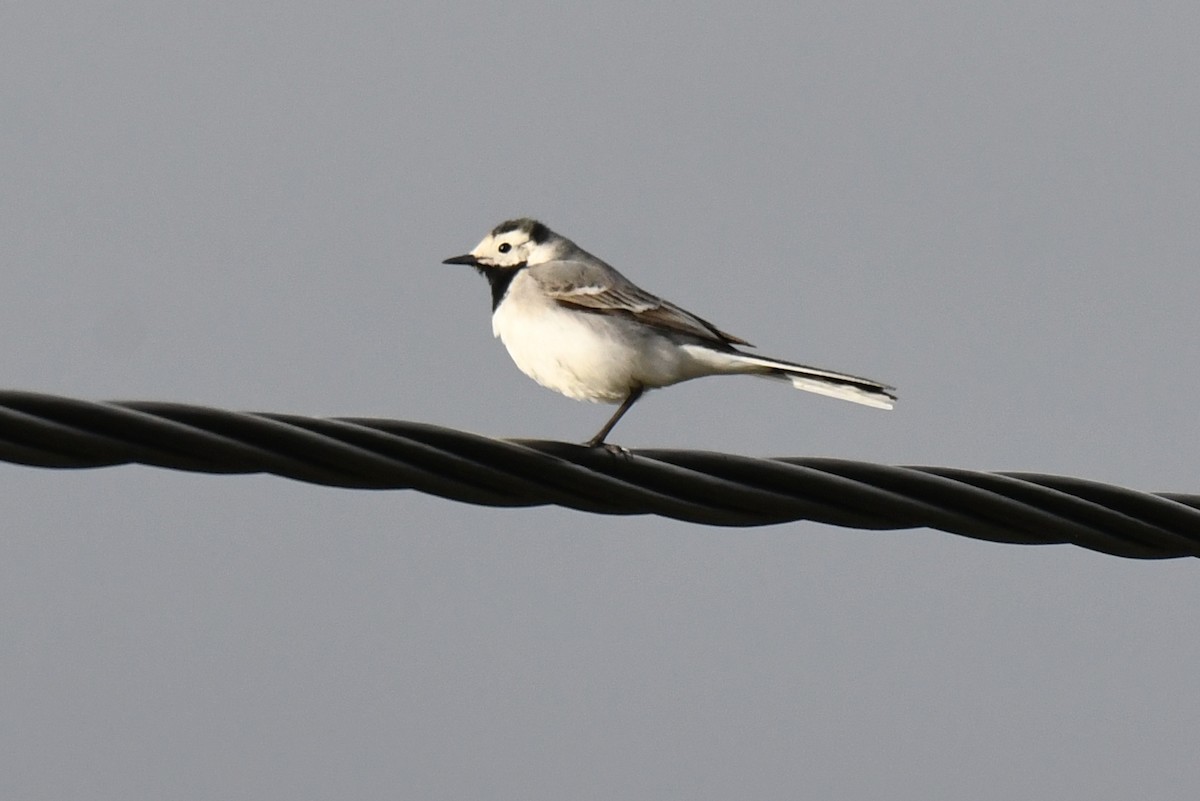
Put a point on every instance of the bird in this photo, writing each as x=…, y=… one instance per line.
x=576, y=325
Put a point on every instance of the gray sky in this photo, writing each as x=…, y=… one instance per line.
x=993, y=206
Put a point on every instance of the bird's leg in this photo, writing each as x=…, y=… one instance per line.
x=630, y=399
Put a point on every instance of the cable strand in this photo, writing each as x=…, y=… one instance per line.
x=702, y=487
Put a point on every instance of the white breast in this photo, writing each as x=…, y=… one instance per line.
x=562, y=350
x=587, y=356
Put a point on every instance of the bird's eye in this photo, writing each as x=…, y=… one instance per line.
x=504, y=247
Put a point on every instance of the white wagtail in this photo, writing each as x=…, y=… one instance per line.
x=577, y=326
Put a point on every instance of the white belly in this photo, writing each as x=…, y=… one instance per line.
x=568, y=352
x=595, y=357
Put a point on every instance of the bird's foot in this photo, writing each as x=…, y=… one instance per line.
x=615, y=450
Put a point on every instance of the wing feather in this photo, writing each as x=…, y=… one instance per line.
x=602, y=290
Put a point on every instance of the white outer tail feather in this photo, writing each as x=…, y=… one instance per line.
x=877, y=399
x=810, y=379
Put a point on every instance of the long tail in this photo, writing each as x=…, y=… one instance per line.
x=811, y=379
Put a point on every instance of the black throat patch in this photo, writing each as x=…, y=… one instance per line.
x=498, y=279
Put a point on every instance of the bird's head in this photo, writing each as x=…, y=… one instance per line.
x=512, y=245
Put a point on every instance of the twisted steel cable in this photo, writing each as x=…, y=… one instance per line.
x=702, y=487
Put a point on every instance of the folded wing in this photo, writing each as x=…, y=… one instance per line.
x=602, y=290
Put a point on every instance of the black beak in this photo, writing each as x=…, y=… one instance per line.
x=467, y=259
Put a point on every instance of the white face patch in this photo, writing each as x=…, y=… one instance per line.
x=506, y=250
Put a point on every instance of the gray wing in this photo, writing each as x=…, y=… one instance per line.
x=593, y=286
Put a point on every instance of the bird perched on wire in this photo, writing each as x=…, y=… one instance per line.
x=575, y=325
